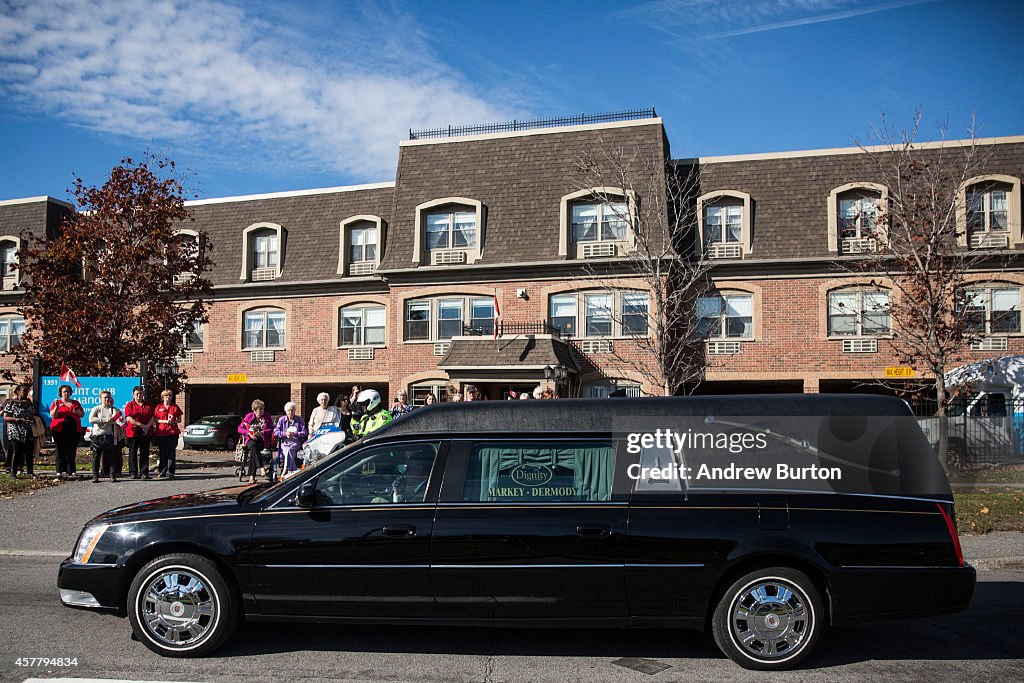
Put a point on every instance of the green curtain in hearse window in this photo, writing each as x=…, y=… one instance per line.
x=512, y=472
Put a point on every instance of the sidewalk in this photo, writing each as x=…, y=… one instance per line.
x=995, y=550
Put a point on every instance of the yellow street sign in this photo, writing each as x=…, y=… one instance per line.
x=899, y=372
x=240, y=377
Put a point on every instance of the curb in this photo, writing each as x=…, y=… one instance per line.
x=989, y=563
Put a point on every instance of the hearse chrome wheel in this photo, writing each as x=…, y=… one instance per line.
x=180, y=606
x=768, y=619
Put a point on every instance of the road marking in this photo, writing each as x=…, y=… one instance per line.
x=33, y=553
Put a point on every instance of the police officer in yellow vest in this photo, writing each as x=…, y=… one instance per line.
x=368, y=413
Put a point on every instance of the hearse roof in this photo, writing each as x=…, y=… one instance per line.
x=597, y=415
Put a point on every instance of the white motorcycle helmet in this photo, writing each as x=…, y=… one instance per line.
x=366, y=402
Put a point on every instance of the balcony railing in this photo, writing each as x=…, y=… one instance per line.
x=512, y=328
x=516, y=125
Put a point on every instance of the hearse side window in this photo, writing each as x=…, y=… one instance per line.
x=396, y=473
x=514, y=471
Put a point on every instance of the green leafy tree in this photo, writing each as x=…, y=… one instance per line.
x=120, y=281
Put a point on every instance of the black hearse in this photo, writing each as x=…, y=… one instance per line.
x=763, y=518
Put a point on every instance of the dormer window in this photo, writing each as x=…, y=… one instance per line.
x=599, y=221
x=853, y=218
x=988, y=213
x=858, y=217
x=449, y=231
x=725, y=224
x=188, y=243
x=362, y=247
x=11, y=276
x=264, y=252
x=596, y=223
x=361, y=237
x=452, y=229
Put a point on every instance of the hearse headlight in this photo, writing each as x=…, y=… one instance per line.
x=87, y=542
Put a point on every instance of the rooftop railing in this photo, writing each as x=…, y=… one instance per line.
x=516, y=125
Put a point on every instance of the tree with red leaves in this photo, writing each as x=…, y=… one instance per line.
x=121, y=281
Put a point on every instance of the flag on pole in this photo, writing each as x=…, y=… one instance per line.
x=68, y=375
x=497, y=315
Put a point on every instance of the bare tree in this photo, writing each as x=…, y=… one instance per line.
x=654, y=204
x=923, y=251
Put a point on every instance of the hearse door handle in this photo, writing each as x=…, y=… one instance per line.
x=593, y=530
x=399, y=531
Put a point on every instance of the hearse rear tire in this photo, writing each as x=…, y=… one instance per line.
x=769, y=619
x=181, y=606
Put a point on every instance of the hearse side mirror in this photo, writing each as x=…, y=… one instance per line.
x=305, y=497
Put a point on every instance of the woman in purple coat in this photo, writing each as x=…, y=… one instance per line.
x=290, y=433
x=258, y=430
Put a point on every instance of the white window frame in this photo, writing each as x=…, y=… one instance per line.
x=422, y=254
x=987, y=292
x=249, y=248
x=606, y=212
x=434, y=305
x=860, y=189
x=724, y=297
x=725, y=198
x=567, y=245
x=437, y=387
x=1013, y=207
x=617, y=315
x=265, y=313
x=8, y=340
x=858, y=313
x=986, y=210
x=364, y=309
x=360, y=222
x=198, y=330
x=14, y=276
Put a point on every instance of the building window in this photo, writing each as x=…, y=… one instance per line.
x=858, y=313
x=723, y=224
x=606, y=389
x=726, y=316
x=194, y=340
x=454, y=229
x=418, y=392
x=858, y=216
x=8, y=259
x=12, y=328
x=264, y=251
x=264, y=329
x=562, y=314
x=362, y=326
x=987, y=210
x=605, y=314
x=439, y=319
x=599, y=221
x=362, y=246
x=992, y=310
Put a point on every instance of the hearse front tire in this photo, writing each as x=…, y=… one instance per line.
x=769, y=619
x=180, y=605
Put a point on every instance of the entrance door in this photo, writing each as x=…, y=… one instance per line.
x=363, y=549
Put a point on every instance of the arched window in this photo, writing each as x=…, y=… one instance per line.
x=449, y=231
x=988, y=213
x=853, y=217
x=264, y=328
x=10, y=275
x=361, y=325
x=725, y=224
x=596, y=222
x=263, y=256
x=859, y=312
x=361, y=240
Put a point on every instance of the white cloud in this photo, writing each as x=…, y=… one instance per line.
x=213, y=77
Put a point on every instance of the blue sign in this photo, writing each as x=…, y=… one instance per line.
x=89, y=395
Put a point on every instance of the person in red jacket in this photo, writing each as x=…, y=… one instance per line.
x=138, y=429
x=66, y=426
x=168, y=421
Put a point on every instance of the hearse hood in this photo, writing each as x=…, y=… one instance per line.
x=178, y=505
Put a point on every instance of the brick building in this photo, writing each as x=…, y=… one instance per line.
x=393, y=285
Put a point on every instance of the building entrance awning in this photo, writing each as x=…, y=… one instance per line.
x=506, y=358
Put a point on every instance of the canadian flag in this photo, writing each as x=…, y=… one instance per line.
x=68, y=375
x=497, y=316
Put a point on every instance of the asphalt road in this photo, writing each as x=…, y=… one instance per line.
x=983, y=643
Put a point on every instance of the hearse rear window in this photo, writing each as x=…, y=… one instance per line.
x=511, y=471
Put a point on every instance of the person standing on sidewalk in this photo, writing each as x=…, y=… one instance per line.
x=166, y=431
x=65, y=424
x=18, y=419
x=106, y=454
x=138, y=429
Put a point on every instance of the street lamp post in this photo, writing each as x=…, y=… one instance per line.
x=166, y=371
x=556, y=374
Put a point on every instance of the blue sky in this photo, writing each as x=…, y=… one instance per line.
x=256, y=97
